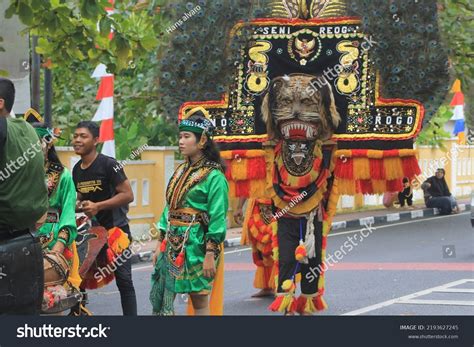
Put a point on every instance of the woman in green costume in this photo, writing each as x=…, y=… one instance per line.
x=59, y=231
x=193, y=224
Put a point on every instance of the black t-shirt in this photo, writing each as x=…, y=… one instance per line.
x=98, y=183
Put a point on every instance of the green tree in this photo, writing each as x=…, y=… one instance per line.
x=70, y=31
x=137, y=113
x=456, y=19
x=433, y=133
x=73, y=37
x=2, y=72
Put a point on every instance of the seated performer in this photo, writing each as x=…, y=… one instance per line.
x=188, y=256
x=59, y=232
x=437, y=194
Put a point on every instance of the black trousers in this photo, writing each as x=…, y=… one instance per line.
x=21, y=273
x=288, y=239
x=123, y=278
x=443, y=203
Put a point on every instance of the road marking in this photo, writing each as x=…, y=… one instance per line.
x=238, y=250
x=103, y=293
x=455, y=290
x=405, y=298
x=436, y=302
x=375, y=227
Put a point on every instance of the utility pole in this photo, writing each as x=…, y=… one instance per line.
x=35, y=76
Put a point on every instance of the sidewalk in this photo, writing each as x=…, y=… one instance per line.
x=342, y=220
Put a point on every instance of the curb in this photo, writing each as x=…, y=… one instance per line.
x=355, y=223
x=393, y=217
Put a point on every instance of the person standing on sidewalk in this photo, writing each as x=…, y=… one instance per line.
x=23, y=201
x=104, y=193
x=189, y=254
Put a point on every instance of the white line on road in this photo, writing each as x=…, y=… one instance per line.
x=375, y=227
x=238, y=250
x=456, y=290
x=405, y=298
x=436, y=302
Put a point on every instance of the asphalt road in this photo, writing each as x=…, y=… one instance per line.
x=392, y=270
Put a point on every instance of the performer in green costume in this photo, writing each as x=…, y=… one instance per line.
x=193, y=224
x=60, y=224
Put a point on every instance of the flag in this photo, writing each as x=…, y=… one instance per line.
x=458, y=112
x=105, y=111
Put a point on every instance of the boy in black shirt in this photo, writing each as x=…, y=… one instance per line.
x=104, y=192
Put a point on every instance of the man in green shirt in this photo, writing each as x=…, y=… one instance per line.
x=23, y=201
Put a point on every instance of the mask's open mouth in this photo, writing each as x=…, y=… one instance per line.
x=299, y=130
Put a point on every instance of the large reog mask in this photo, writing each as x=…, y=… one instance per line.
x=299, y=114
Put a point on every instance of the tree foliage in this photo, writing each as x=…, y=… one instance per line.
x=457, y=25
x=71, y=31
x=433, y=133
x=74, y=38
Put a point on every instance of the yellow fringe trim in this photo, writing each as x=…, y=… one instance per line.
x=251, y=153
x=257, y=188
x=309, y=306
x=377, y=154
x=238, y=169
x=393, y=168
x=321, y=282
x=259, y=279
x=379, y=186
x=361, y=168
x=120, y=243
x=287, y=302
x=232, y=189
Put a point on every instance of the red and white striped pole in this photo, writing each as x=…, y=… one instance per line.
x=105, y=112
